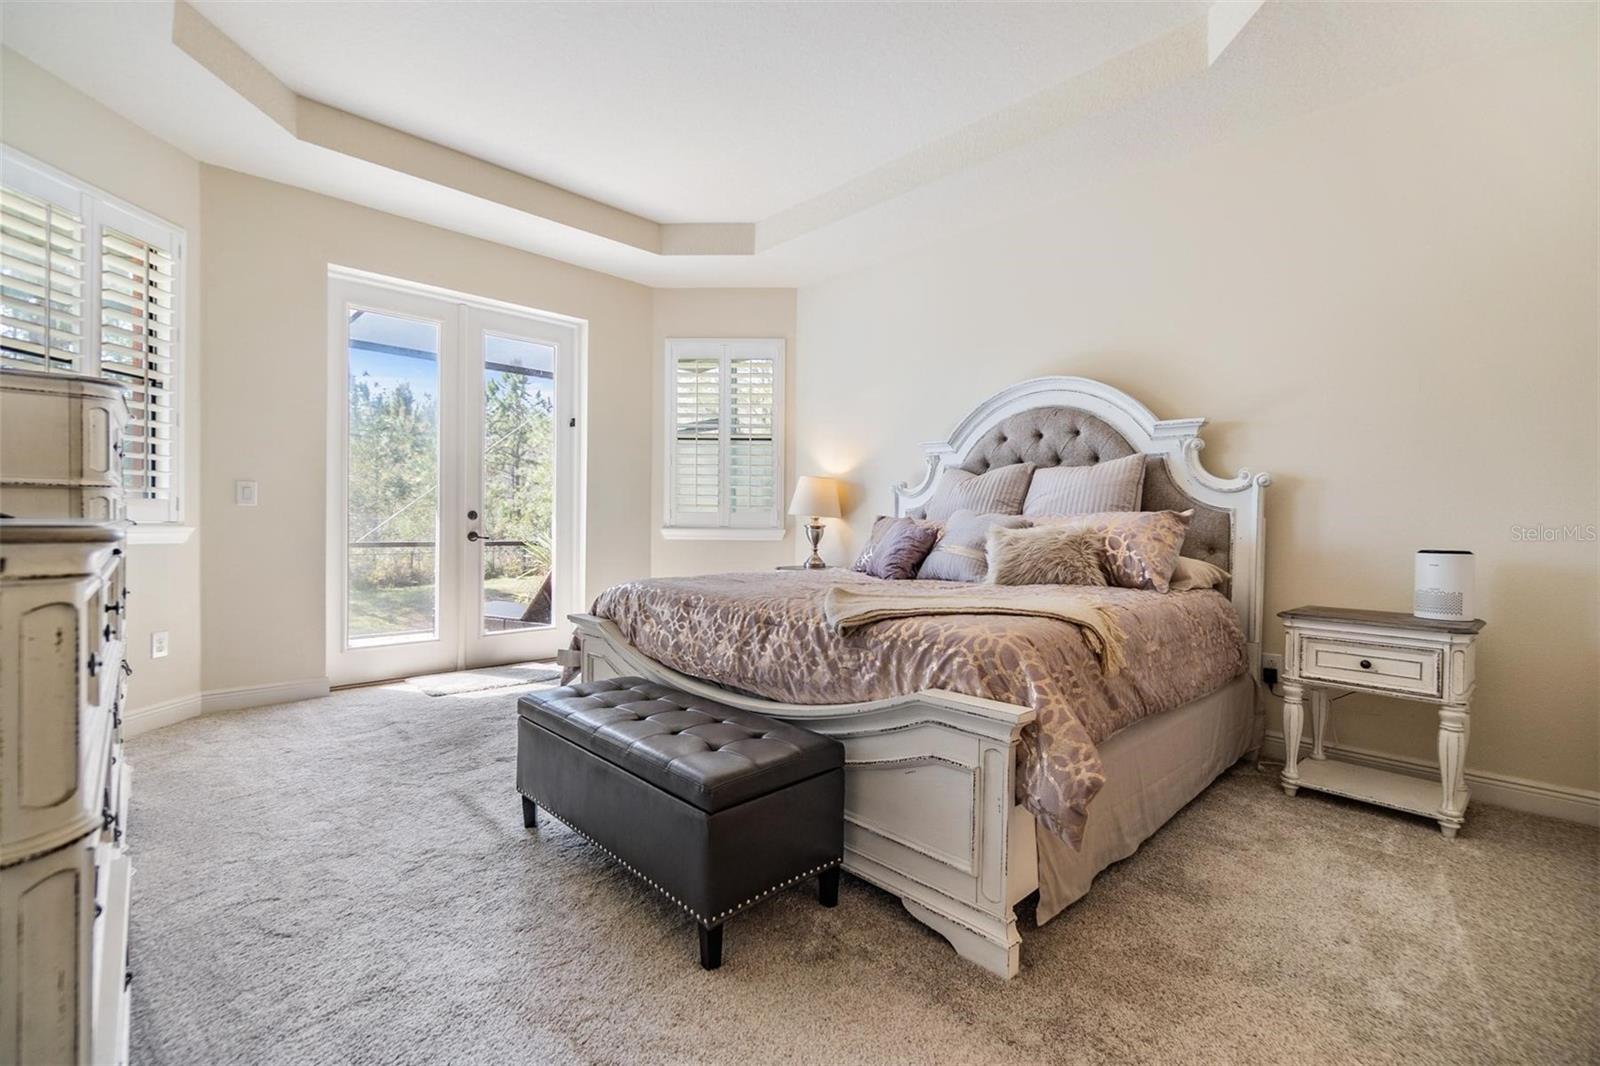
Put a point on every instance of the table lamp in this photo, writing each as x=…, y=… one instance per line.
x=815, y=498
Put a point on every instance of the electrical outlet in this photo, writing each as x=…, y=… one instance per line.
x=158, y=645
x=1271, y=668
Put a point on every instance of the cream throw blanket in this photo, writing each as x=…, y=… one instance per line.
x=848, y=609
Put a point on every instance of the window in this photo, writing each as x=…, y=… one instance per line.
x=89, y=285
x=724, y=438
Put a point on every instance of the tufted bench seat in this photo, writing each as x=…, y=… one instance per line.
x=715, y=807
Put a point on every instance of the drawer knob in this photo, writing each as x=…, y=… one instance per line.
x=1366, y=664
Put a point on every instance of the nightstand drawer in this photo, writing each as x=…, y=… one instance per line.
x=1412, y=670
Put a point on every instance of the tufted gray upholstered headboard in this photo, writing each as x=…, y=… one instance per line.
x=1066, y=436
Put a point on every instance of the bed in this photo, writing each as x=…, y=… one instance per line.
x=958, y=797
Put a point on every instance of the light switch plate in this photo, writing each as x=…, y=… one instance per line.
x=158, y=644
x=1272, y=661
x=244, y=493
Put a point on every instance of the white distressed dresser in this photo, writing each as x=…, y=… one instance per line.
x=65, y=872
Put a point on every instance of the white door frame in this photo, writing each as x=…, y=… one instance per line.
x=458, y=641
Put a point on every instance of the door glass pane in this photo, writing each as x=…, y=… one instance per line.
x=519, y=482
x=393, y=511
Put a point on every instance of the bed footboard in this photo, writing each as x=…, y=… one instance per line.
x=930, y=781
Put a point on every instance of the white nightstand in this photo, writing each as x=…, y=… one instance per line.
x=1389, y=654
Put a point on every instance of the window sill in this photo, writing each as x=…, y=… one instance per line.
x=159, y=533
x=720, y=533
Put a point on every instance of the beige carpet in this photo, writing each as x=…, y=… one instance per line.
x=347, y=881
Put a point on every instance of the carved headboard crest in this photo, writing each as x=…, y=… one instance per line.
x=1066, y=421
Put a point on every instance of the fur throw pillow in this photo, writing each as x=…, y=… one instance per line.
x=1141, y=547
x=1046, y=555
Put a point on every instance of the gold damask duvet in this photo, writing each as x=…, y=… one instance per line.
x=765, y=634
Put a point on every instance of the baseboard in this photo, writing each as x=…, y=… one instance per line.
x=237, y=699
x=1498, y=790
x=144, y=719
x=158, y=715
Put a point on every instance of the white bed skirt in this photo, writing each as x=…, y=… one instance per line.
x=1153, y=769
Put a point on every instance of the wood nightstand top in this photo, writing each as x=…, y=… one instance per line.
x=1393, y=619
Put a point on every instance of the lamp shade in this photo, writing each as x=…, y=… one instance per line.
x=816, y=497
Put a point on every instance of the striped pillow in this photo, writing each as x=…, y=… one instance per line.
x=1114, y=485
x=1000, y=491
x=960, y=554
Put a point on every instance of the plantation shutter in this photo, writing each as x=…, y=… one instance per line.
x=41, y=283
x=725, y=449
x=89, y=285
x=752, y=489
x=697, y=440
x=138, y=333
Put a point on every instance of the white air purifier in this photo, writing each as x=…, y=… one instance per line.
x=1444, y=586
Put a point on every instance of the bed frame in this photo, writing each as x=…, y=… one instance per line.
x=930, y=810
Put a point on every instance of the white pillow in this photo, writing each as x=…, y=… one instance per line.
x=1195, y=574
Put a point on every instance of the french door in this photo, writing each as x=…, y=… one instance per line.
x=453, y=474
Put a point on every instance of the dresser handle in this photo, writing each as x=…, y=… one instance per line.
x=106, y=632
x=126, y=669
x=127, y=980
x=94, y=665
x=1366, y=664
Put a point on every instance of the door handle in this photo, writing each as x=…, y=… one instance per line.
x=472, y=534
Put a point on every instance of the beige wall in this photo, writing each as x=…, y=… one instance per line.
x=718, y=313
x=1390, y=305
x=268, y=248
x=55, y=124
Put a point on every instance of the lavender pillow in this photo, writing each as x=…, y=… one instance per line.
x=880, y=526
x=899, y=552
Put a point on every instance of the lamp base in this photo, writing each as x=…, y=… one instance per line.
x=814, y=535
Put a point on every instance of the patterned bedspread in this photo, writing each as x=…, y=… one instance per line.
x=764, y=634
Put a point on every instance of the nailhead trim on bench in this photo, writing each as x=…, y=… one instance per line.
x=730, y=912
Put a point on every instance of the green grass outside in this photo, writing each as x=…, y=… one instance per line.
x=384, y=611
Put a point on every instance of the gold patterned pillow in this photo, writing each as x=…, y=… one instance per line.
x=1141, y=547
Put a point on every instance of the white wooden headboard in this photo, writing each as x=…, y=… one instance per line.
x=1175, y=440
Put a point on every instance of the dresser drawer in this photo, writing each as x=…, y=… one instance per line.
x=1415, y=671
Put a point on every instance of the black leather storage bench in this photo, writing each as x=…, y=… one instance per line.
x=714, y=807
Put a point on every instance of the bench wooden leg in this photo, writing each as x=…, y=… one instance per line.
x=710, y=947
x=530, y=813
x=828, y=887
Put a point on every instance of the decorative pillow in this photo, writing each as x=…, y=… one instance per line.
x=880, y=526
x=960, y=554
x=1046, y=555
x=1196, y=574
x=901, y=549
x=1141, y=546
x=1114, y=485
x=999, y=491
